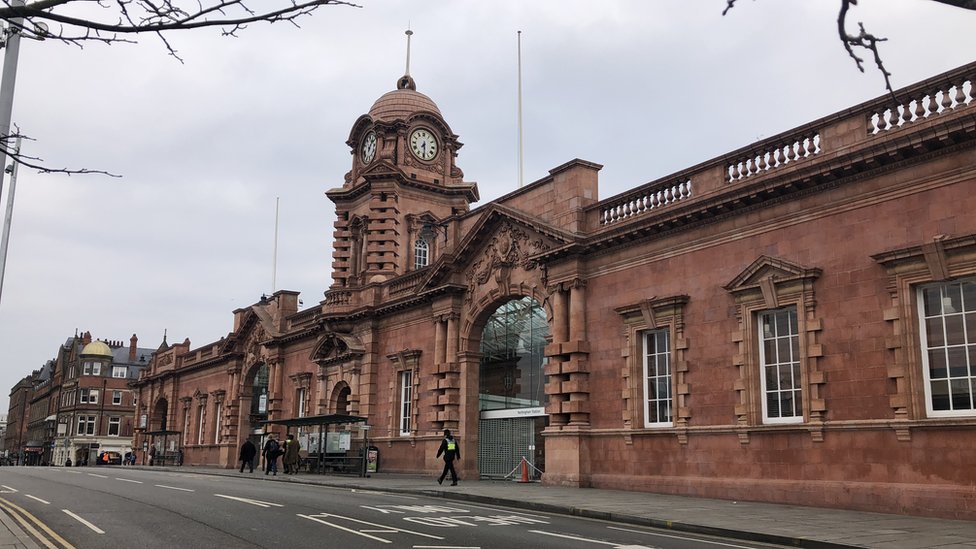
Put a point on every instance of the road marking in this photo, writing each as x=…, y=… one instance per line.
x=74, y=472
x=375, y=528
x=128, y=480
x=577, y=538
x=446, y=547
x=7, y=489
x=257, y=502
x=699, y=540
x=94, y=475
x=85, y=522
x=18, y=513
x=174, y=488
x=38, y=499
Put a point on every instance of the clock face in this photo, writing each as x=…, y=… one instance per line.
x=423, y=144
x=369, y=148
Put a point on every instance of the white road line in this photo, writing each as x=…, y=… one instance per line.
x=257, y=502
x=576, y=538
x=699, y=540
x=8, y=489
x=94, y=475
x=128, y=480
x=74, y=472
x=174, y=488
x=350, y=530
x=362, y=532
x=446, y=547
x=38, y=499
x=85, y=522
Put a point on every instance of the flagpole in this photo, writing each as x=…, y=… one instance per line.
x=520, y=161
x=274, y=261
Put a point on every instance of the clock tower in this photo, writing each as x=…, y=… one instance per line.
x=397, y=204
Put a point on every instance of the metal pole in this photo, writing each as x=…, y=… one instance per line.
x=5, y=239
x=274, y=260
x=10, y=56
x=520, y=162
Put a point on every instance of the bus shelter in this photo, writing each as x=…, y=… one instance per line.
x=328, y=450
x=162, y=448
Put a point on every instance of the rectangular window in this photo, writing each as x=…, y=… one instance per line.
x=97, y=369
x=186, y=426
x=114, y=426
x=118, y=371
x=406, y=401
x=87, y=368
x=86, y=425
x=116, y=398
x=218, y=418
x=84, y=396
x=657, y=379
x=779, y=366
x=202, y=417
x=301, y=400
x=947, y=314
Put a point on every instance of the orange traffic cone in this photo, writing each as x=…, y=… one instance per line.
x=525, y=470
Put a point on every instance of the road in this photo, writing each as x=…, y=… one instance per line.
x=98, y=507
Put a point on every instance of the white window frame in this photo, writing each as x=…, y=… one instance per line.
x=954, y=352
x=421, y=253
x=116, y=398
x=406, y=402
x=86, y=368
x=794, y=364
x=201, y=417
x=654, y=377
x=301, y=399
x=218, y=419
x=114, y=424
x=86, y=426
x=96, y=368
x=119, y=372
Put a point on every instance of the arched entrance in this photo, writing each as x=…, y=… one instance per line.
x=256, y=397
x=159, y=416
x=511, y=385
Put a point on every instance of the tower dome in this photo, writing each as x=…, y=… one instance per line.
x=97, y=348
x=402, y=102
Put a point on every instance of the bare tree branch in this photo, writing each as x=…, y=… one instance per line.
x=37, y=163
x=127, y=17
x=865, y=39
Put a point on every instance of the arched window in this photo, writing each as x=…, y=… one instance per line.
x=421, y=254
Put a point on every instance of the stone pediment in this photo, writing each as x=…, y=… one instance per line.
x=335, y=348
x=770, y=269
x=501, y=240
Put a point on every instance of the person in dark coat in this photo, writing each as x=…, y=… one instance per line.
x=270, y=453
x=248, y=451
x=451, y=450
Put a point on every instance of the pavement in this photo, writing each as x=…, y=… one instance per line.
x=791, y=525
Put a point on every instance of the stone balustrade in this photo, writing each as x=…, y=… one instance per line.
x=644, y=200
x=842, y=133
x=919, y=104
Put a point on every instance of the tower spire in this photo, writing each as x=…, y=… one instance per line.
x=406, y=81
x=409, y=33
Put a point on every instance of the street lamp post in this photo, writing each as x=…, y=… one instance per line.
x=11, y=46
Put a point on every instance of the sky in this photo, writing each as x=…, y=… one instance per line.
x=208, y=147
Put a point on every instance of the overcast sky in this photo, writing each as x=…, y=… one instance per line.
x=187, y=234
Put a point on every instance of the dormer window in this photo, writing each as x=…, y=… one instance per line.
x=421, y=254
x=118, y=371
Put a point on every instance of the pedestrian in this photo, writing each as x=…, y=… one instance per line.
x=248, y=451
x=292, y=455
x=179, y=457
x=152, y=455
x=270, y=454
x=449, y=447
x=67, y=462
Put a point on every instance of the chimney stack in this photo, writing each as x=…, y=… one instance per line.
x=132, y=347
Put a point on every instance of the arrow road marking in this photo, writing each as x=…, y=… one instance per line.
x=375, y=528
x=259, y=503
x=7, y=489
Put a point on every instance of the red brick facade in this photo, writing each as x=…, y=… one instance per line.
x=813, y=245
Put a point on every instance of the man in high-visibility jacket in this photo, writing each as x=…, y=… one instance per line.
x=451, y=450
